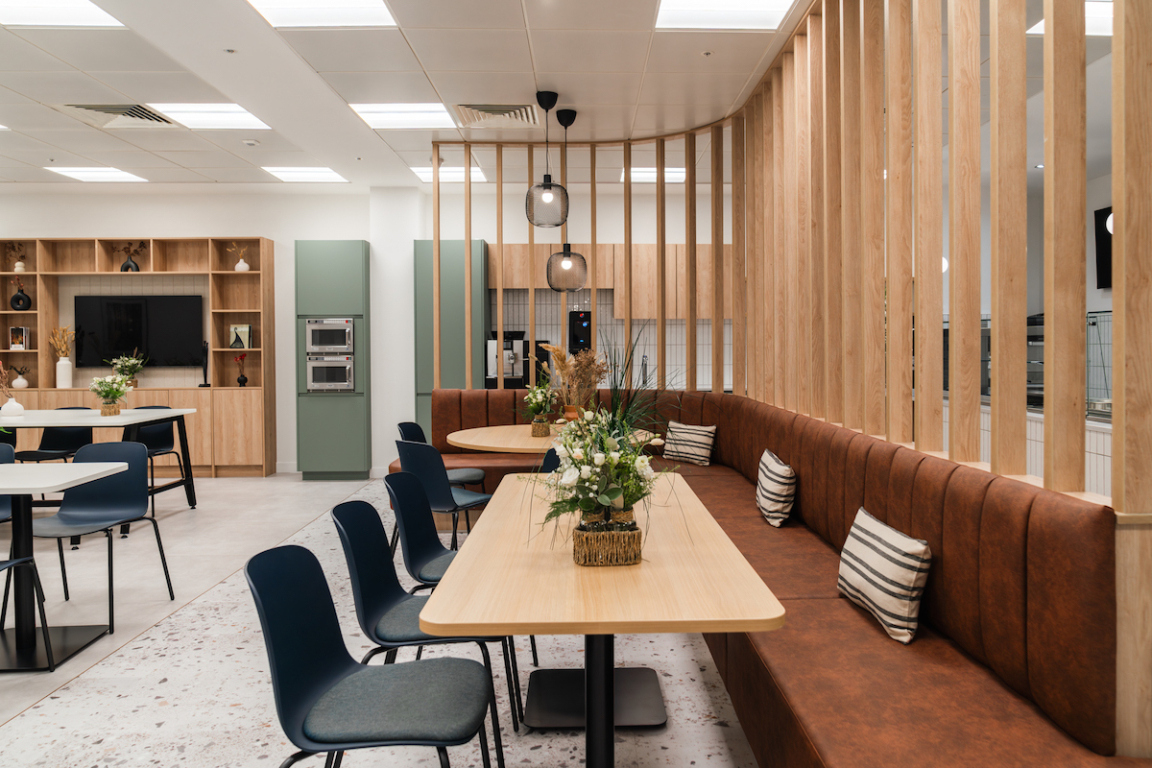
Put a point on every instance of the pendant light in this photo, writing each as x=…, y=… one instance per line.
x=567, y=270
x=546, y=204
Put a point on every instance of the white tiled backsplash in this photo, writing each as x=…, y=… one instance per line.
x=140, y=285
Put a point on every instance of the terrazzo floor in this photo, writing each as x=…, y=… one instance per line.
x=194, y=690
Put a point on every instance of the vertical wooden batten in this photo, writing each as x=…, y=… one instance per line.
x=766, y=283
x=754, y=297
x=833, y=224
x=661, y=267
x=436, y=266
x=1065, y=217
x=899, y=216
x=929, y=213
x=499, y=267
x=817, y=258
x=1009, y=213
x=690, y=261
x=851, y=231
x=592, y=252
x=872, y=213
x=739, y=279
x=468, y=329
x=801, y=317
x=717, y=194
x=774, y=186
x=628, y=248
x=789, y=259
x=1132, y=371
x=531, y=277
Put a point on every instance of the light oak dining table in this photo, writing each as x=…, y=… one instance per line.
x=515, y=576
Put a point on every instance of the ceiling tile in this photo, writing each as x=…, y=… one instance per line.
x=53, y=156
x=162, y=87
x=83, y=140
x=11, y=162
x=215, y=158
x=35, y=174
x=233, y=141
x=162, y=175
x=12, y=141
x=590, y=51
x=454, y=50
x=60, y=87
x=96, y=50
x=382, y=87
x=265, y=158
x=597, y=123
x=30, y=116
x=485, y=87
x=591, y=14
x=692, y=88
x=8, y=96
x=580, y=88
x=353, y=50
x=458, y=14
x=17, y=54
x=400, y=141
x=124, y=160
x=166, y=140
x=729, y=51
x=652, y=120
x=238, y=175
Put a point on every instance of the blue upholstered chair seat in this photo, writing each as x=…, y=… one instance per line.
x=433, y=570
x=401, y=624
x=466, y=499
x=436, y=700
x=466, y=476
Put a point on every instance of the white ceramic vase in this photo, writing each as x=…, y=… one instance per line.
x=242, y=266
x=64, y=373
x=20, y=383
x=11, y=408
x=19, y=267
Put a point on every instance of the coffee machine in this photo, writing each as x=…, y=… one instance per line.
x=513, y=361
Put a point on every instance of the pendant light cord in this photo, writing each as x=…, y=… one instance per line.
x=547, y=154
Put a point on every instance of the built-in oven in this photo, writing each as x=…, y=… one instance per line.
x=329, y=335
x=330, y=373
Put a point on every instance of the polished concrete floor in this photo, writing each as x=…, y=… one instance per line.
x=186, y=682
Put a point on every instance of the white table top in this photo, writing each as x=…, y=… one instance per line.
x=91, y=418
x=29, y=479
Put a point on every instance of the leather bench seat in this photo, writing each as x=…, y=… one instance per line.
x=495, y=465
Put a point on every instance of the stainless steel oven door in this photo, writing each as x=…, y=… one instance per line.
x=329, y=335
x=330, y=373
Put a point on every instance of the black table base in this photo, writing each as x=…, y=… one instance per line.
x=66, y=643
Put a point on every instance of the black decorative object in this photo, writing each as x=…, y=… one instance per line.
x=21, y=302
x=205, y=364
x=567, y=270
x=546, y=204
x=242, y=380
x=129, y=265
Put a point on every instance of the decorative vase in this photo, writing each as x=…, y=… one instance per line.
x=129, y=265
x=619, y=545
x=11, y=408
x=540, y=426
x=21, y=301
x=571, y=413
x=242, y=380
x=64, y=373
x=110, y=408
x=20, y=382
x=18, y=267
x=242, y=266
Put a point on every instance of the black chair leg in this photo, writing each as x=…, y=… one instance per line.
x=419, y=652
x=486, y=760
x=163, y=560
x=492, y=706
x=111, y=606
x=339, y=760
x=295, y=758
x=516, y=676
x=511, y=684
x=455, y=525
x=395, y=538
x=63, y=569
x=4, y=605
x=443, y=753
x=535, y=656
x=75, y=542
x=467, y=522
x=152, y=487
x=368, y=656
x=43, y=617
x=419, y=587
x=390, y=657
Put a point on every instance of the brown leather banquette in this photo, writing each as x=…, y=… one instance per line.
x=1015, y=660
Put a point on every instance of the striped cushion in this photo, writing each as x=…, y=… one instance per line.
x=775, y=489
x=884, y=572
x=689, y=443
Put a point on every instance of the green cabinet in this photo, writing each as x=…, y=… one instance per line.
x=331, y=278
x=334, y=438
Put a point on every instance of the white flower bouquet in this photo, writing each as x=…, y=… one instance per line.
x=128, y=365
x=110, y=389
x=540, y=399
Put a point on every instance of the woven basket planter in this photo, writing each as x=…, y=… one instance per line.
x=593, y=548
x=110, y=409
x=541, y=427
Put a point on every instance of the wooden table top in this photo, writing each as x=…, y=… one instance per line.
x=514, y=577
x=508, y=438
x=29, y=479
x=70, y=417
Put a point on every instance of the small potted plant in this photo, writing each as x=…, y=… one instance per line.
x=242, y=380
x=20, y=382
x=61, y=341
x=539, y=402
x=129, y=366
x=111, y=390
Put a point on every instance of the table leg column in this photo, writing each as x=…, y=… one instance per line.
x=24, y=596
x=599, y=701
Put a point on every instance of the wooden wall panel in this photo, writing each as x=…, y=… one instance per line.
x=738, y=276
x=788, y=184
x=899, y=228
x=775, y=182
x=964, y=233
x=690, y=261
x=872, y=212
x=498, y=272
x=436, y=266
x=767, y=284
x=756, y=300
x=801, y=317
x=717, y=193
x=531, y=272
x=929, y=205
x=816, y=280
x=661, y=266
x=851, y=231
x=468, y=330
x=1065, y=216
x=627, y=246
x=1009, y=206
x=594, y=263
x=833, y=224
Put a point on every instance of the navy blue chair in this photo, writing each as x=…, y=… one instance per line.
x=7, y=566
x=59, y=443
x=104, y=504
x=426, y=463
x=550, y=462
x=7, y=456
x=414, y=433
x=160, y=440
x=327, y=702
x=389, y=616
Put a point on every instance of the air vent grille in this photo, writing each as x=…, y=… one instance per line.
x=497, y=115
x=116, y=115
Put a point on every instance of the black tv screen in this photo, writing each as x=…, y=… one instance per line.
x=168, y=330
x=1103, y=249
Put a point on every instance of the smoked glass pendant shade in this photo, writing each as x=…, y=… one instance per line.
x=567, y=270
x=547, y=204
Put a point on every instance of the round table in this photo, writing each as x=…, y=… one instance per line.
x=508, y=438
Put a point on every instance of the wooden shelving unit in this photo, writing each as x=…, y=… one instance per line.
x=234, y=430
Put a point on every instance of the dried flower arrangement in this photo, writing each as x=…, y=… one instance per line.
x=19, y=284
x=14, y=252
x=237, y=250
x=239, y=360
x=5, y=386
x=132, y=251
x=61, y=341
x=575, y=377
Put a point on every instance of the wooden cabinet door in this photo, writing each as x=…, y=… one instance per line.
x=239, y=428
x=199, y=425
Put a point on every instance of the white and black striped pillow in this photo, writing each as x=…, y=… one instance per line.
x=884, y=572
x=775, y=489
x=689, y=443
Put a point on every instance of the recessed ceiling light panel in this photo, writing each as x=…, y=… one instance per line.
x=648, y=175
x=721, y=14
x=449, y=175
x=409, y=117
x=96, y=174
x=325, y=13
x=211, y=117
x=54, y=13
x=313, y=175
x=1097, y=19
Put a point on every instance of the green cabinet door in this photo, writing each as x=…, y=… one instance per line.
x=333, y=436
x=331, y=278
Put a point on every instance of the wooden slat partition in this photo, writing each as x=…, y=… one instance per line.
x=964, y=232
x=717, y=322
x=801, y=317
x=833, y=224
x=1132, y=370
x=739, y=269
x=436, y=266
x=628, y=248
x=499, y=266
x=899, y=217
x=468, y=265
x=774, y=186
x=690, y=261
x=851, y=230
x=769, y=331
x=816, y=279
x=929, y=205
x=788, y=183
x=1009, y=206
x=531, y=276
x=661, y=266
x=1065, y=218
x=593, y=255
x=872, y=212
x=759, y=360
x=563, y=319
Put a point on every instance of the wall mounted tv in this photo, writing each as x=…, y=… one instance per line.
x=168, y=330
